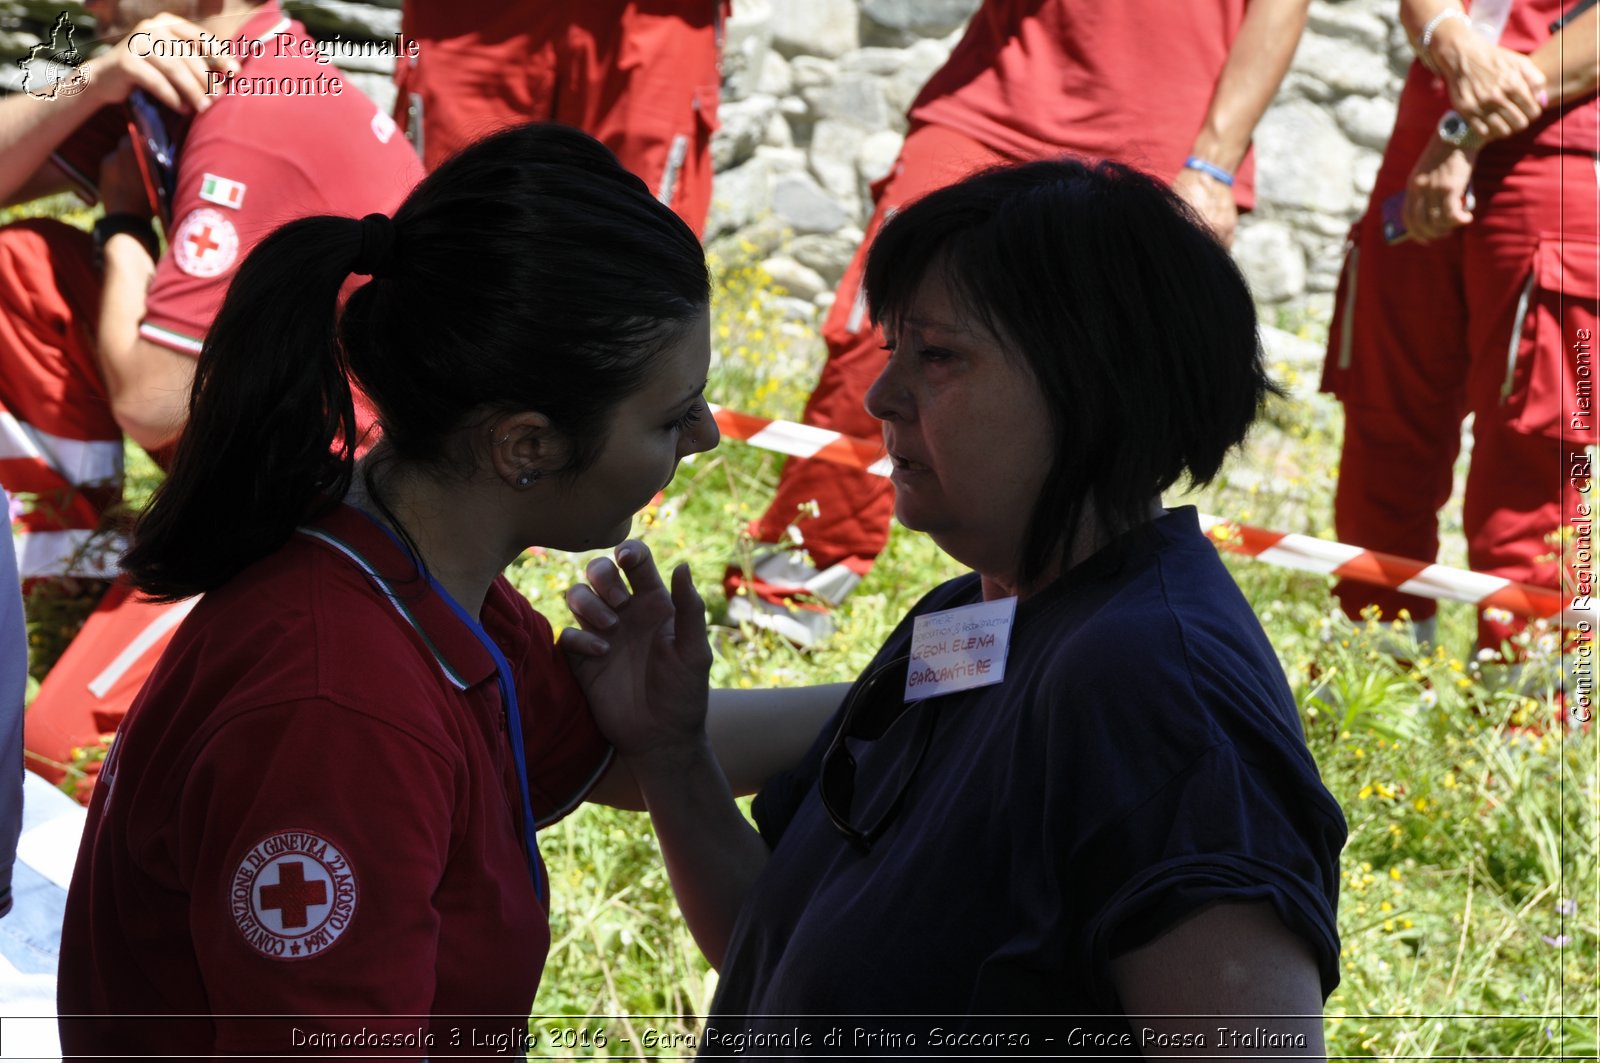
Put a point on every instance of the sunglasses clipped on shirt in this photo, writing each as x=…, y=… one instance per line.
x=873, y=708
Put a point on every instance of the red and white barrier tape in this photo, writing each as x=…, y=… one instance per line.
x=1304, y=552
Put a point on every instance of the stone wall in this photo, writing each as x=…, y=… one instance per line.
x=813, y=110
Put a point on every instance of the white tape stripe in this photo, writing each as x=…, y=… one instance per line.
x=75, y=552
x=1309, y=554
x=1304, y=552
x=1438, y=581
x=798, y=440
x=168, y=619
x=78, y=461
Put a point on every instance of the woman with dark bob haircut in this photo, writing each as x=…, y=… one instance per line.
x=1073, y=782
x=317, y=822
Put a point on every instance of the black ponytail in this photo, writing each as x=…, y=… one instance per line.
x=528, y=272
x=271, y=433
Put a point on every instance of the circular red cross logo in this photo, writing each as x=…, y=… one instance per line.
x=293, y=895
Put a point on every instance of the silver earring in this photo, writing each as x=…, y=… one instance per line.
x=527, y=478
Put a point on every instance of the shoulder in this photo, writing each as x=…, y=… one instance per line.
x=303, y=625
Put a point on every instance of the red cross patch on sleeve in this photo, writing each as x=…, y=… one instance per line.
x=293, y=895
x=206, y=243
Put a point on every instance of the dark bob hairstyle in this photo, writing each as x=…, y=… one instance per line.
x=1134, y=320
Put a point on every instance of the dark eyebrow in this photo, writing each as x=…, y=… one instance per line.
x=695, y=394
x=931, y=323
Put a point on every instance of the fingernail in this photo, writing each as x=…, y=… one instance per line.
x=625, y=553
x=618, y=597
x=605, y=647
x=1544, y=98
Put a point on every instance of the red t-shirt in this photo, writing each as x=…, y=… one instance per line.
x=312, y=811
x=250, y=163
x=1121, y=79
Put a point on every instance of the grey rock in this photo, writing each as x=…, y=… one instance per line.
x=742, y=128
x=921, y=61
x=1270, y=260
x=1366, y=174
x=1298, y=85
x=739, y=196
x=1343, y=67
x=879, y=62
x=827, y=28
x=800, y=202
x=1285, y=348
x=782, y=160
x=1347, y=22
x=877, y=155
x=351, y=21
x=775, y=79
x=924, y=18
x=834, y=146
x=826, y=253
x=796, y=279
x=1303, y=160
x=746, y=44
x=777, y=133
x=853, y=98
x=809, y=72
x=1366, y=120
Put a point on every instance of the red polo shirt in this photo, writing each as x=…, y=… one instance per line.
x=1129, y=80
x=311, y=811
x=251, y=162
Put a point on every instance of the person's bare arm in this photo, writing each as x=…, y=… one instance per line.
x=148, y=384
x=1256, y=64
x=1570, y=59
x=1228, y=968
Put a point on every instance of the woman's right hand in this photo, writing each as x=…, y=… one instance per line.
x=640, y=654
x=1498, y=91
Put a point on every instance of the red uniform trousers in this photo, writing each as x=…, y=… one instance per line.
x=1493, y=320
x=851, y=523
x=639, y=76
x=58, y=440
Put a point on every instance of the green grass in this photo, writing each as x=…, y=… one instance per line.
x=1470, y=897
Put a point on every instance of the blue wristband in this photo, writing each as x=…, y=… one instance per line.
x=1210, y=169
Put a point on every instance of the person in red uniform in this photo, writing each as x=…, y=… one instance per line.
x=639, y=75
x=98, y=335
x=1480, y=298
x=1027, y=81
x=322, y=805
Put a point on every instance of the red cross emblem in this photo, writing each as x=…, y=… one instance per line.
x=206, y=243
x=293, y=895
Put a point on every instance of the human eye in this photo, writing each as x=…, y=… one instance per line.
x=690, y=418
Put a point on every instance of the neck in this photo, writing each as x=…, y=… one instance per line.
x=463, y=540
x=1091, y=538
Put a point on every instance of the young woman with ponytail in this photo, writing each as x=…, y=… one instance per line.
x=317, y=822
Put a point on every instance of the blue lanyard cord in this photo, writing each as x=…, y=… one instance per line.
x=508, y=704
x=519, y=757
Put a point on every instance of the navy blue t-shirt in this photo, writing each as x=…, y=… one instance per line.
x=1142, y=759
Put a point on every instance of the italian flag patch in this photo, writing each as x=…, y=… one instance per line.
x=221, y=191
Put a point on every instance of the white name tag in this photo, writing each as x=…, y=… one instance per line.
x=958, y=649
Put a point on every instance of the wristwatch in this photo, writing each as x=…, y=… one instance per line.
x=133, y=224
x=1453, y=129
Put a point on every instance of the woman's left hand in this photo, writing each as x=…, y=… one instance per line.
x=1436, y=191
x=640, y=652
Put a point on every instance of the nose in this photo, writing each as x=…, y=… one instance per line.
x=706, y=436
x=887, y=398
